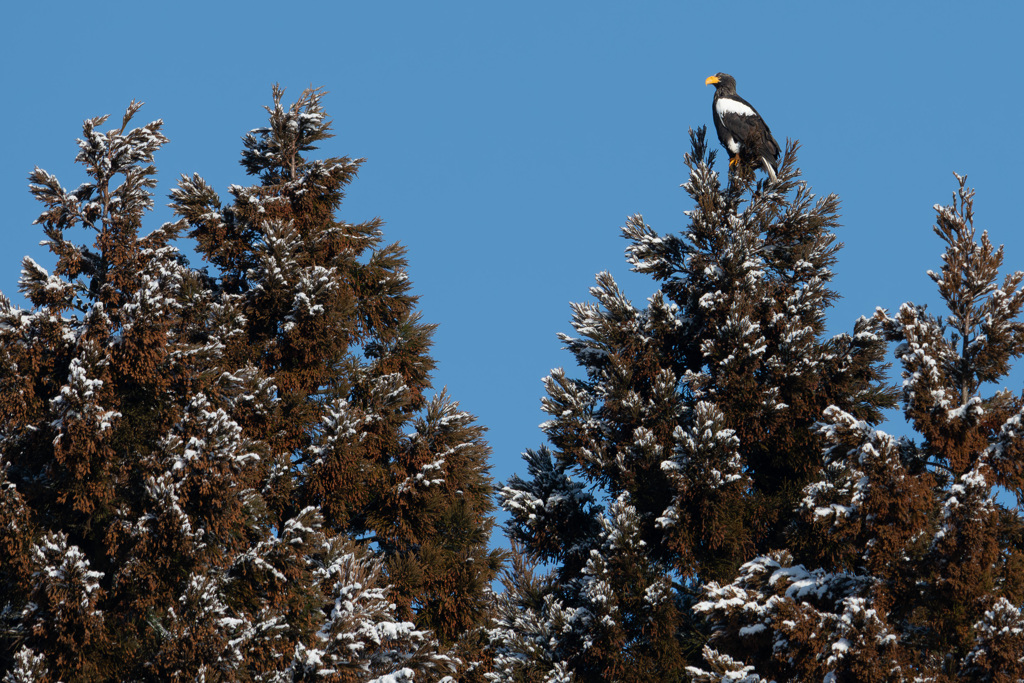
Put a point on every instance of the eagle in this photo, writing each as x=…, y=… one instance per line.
x=741, y=130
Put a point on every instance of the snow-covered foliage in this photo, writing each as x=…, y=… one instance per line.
x=236, y=474
x=684, y=445
x=533, y=629
x=998, y=651
x=803, y=624
x=29, y=667
x=62, y=612
x=362, y=638
x=550, y=511
x=919, y=566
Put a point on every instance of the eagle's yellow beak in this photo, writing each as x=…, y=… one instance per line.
x=710, y=80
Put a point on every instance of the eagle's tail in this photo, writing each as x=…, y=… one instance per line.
x=768, y=167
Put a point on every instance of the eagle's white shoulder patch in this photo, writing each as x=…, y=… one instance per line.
x=726, y=106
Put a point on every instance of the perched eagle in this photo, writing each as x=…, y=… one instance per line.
x=741, y=130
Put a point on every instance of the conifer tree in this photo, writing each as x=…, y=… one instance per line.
x=209, y=477
x=904, y=563
x=678, y=455
x=329, y=314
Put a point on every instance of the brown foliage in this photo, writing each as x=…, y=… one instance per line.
x=187, y=458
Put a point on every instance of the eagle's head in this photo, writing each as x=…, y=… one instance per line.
x=721, y=80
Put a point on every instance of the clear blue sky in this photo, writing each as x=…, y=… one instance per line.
x=507, y=142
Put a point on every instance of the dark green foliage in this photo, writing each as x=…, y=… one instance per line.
x=695, y=426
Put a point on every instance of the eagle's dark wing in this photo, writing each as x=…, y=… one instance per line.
x=734, y=121
x=742, y=131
